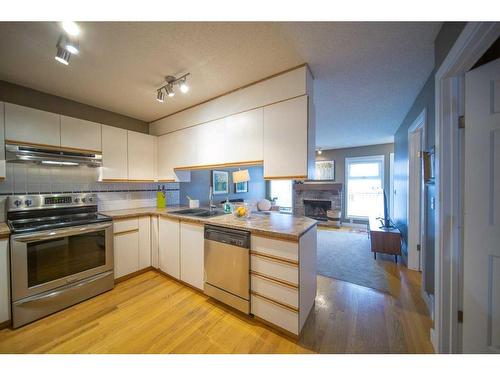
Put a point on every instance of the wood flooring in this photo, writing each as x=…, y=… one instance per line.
x=152, y=313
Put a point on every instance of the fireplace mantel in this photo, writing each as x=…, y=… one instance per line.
x=333, y=187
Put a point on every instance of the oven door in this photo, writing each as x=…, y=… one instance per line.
x=42, y=261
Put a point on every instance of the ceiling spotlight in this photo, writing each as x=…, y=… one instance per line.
x=160, y=96
x=183, y=86
x=62, y=55
x=319, y=151
x=170, y=90
x=71, y=28
x=70, y=44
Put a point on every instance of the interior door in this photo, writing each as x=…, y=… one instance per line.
x=481, y=284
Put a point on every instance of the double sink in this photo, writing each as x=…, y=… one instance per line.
x=198, y=212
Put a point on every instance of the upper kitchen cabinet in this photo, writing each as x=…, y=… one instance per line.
x=80, y=134
x=2, y=142
x=28, y=125
x=286, y=129
x=170, y=155
x=114, y=154
x=141, y=157
x=244, y=137
x=211, y=143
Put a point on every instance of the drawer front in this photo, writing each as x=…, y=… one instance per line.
x=275, y=314
x=276, y=248
x=273, y=290
x=125, y=225
x=278, y=270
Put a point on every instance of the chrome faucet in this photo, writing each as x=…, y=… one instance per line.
x=211, y=199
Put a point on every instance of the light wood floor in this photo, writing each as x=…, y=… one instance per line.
x=152, y=313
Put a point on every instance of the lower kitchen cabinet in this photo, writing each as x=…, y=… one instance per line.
x=4, y=281
x=154, y=242
x=132, y=245
x=192, y=254
x=169, y=246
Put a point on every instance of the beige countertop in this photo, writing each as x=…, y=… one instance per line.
x=4, y=230
x=280, y=226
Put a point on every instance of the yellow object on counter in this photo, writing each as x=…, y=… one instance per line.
x=161, y=199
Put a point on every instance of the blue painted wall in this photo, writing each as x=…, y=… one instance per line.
x=425, y=99
x=199, y=186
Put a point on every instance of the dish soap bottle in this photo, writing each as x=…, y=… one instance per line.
x=227, y=206
x=161, y=197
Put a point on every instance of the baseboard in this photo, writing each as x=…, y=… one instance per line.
x=429, y=301
x=6, y=324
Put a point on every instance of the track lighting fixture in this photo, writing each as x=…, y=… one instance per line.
x=62, y=55
x=71, y=28
x=319, y=151
x=160, y=96
x=170, y=82
x=67, y=43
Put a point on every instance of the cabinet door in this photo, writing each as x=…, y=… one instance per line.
x=244, y=136
x=154, y=241
x=144, y=242
x=80, y=134
x=4, y=281
x=28, y=125
x=169, y=246
x=210, y=145
x=192, y=250
x=126, y=251
x=2, y=142
x=114, y=154
x=169, y=156
x=141, y=156
x=285, y=139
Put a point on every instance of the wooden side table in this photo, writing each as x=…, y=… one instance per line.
x=384, y=240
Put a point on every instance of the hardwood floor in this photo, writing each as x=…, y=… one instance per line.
x=152, y=313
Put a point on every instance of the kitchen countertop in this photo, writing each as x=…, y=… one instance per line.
x=279, y=226
x=4, y=230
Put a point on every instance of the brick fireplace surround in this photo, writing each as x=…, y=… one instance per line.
x=316, y=192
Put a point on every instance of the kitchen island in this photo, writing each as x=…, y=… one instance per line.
x=282, y=256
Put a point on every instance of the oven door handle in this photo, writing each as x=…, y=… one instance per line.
x=58, y=233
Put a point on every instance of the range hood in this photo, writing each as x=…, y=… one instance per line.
x=50, y=156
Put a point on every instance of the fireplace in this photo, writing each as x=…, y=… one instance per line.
x=317, y=208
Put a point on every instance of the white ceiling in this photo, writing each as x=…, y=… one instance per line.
x=367, y=74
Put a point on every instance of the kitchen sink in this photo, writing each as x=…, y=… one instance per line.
x=198, y=212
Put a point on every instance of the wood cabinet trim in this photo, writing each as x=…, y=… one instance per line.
x=274, y=302
x=274, y=258
x=52, y=147
x=221, y=165
x=124, y=180
x=275, y=280
x=302, y=177
x=126, y=232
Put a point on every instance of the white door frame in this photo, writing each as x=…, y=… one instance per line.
x=414, y=257
x=471, y=44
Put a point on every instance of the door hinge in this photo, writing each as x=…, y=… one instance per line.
x=418, y=247
x=461, y=122
x=460, y=316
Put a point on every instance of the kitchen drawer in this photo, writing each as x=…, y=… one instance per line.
x=275, y=314
x=276, y=291
x=279, y=270
x=125, y=225
x=276, y=248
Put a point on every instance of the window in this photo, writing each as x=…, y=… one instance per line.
x=324, y=170
x=282, y=190
x=365, y=186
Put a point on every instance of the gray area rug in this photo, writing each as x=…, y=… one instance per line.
x=346, y=256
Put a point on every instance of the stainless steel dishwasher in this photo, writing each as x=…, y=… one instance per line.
x=227, y=266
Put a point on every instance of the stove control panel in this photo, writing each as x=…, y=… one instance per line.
x=29, y=202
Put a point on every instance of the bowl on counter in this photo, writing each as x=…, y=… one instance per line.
x=241, y=211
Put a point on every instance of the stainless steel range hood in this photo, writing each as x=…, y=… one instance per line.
x=50, y=156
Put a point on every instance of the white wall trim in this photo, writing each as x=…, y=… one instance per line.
x=474, y=40
x=420, y=124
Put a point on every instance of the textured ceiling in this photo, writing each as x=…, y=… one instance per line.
x=367, y=74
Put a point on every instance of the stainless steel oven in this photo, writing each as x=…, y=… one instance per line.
x=58, y=259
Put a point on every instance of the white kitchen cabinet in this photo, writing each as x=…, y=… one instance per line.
x=114, y=154
x=80, y=134
x=144, y=242
x=285, y=139
x=170, y=156
x=243, y=137
x=154, y=241
x=141, y=157
x=169, y=246
x=126, y=253
x=29, y=125
x=2, y=142
x=192, y=252
x=4, y=281
x=210, y=146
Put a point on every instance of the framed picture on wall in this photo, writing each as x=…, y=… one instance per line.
x=241, y=187
x=220, y=182
x=325, y=170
